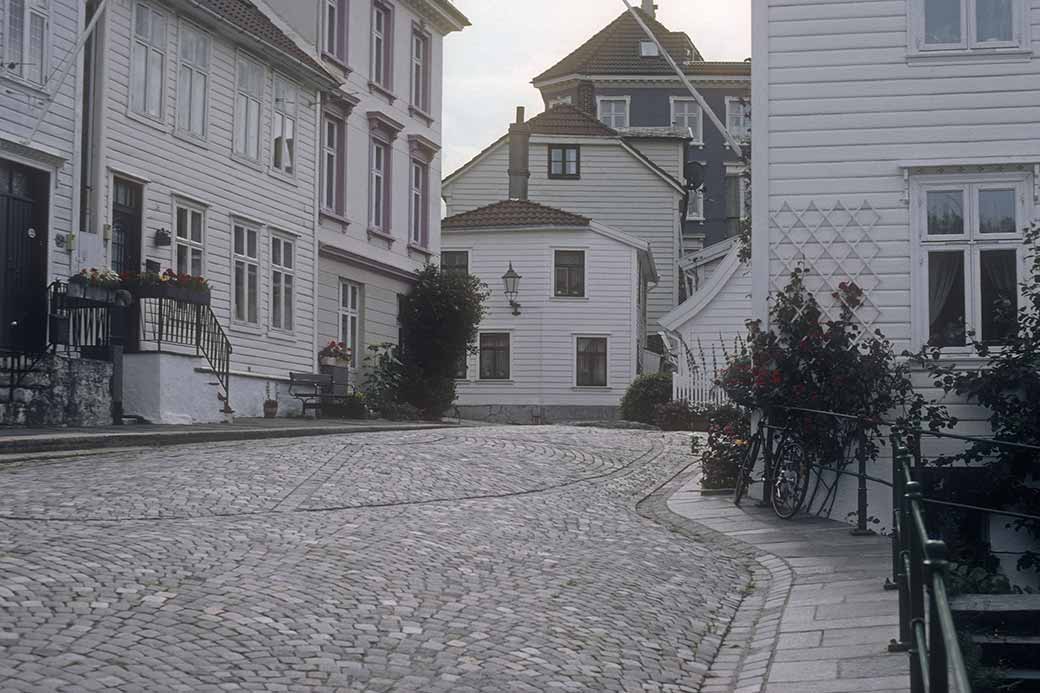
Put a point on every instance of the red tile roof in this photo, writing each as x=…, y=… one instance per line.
x=614, y=50
x=513, y=213
x=564, y=119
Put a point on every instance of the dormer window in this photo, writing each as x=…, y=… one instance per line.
x=648, y=49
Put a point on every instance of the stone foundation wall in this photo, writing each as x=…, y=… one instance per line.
x=62, y=392
x=533, y=414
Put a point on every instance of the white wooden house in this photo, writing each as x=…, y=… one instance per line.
x=380, y=164
x=895, y=144
x=606, y=177
x=203, y=122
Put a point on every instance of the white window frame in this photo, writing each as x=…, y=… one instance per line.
x=335, y=153
x=743, y=133
x=600, y=100
x=972, y=243
x=419, y=203
x=157, y=51
x=585, y=251
x=247, y=261
x=574, y=360
x=386, y=40
x=239, y=144
x=1020, y=32
x=277, y=272
x=39, y=9
x=195, y=70
x=341, y=10
x=512, y=352
x=280, y=115
x=355, y=294
x=420, y=69
x=190, y=209
x=696, y=130
x=695, y=208
x=383, y=175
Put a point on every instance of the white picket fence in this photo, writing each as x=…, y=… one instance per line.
x=697, y=387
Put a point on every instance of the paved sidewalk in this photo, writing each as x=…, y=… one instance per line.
x=22, y=441
x=823, y=623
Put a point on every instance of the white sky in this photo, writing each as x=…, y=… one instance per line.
x=488, y=67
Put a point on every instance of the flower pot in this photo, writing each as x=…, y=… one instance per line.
x=171, y=291
x=270, y=408
x=328, y=361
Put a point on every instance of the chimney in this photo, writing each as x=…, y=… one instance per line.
x=519, y=157
x=650, y=8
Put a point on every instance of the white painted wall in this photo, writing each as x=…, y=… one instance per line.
x=616, y=189
x=56, y=146
x=543, y=335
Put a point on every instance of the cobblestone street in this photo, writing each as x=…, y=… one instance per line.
x=486, y=559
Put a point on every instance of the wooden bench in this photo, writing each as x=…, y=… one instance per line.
x=315, y=390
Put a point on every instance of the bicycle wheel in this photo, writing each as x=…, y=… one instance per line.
x=747, y=466
x=790, y=480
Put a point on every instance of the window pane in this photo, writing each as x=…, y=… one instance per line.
x=276, y=251
x=994, y=20
x=155, y=81
x=201, y=50
x=182, y=259
x=196, y=227
x=287, y=313
x=158, y=30
x=198, y=104
x=182, y=222
x=239, y=240
x=34, y=70
x=330, y=181
x=942, y=21
x=946, y=309
x=999, y=294
x=240, y=293
x=140, y=25
x=276, y=299
x=16, y=27
x=184, y=98
x=137, y=77
x=251, y=243
x=196, y=262
x=287, y=254
x=252, y=290
x=288, y=143
x=945, y=212
x=592, y=362
x=253, y=130
x=997, y=211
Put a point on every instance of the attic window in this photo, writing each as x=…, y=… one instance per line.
x=648, y=49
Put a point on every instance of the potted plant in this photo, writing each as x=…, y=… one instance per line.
x=95, y=285
x=270, y=405
x=335, y=354
x=182, y=287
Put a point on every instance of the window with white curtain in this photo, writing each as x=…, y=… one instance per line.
x=27, y=38
x=148, y=61
x=192, y=80
x=246, y=273
x=189, y=251
x=969, y=24
x=971, y=256
x=249, y=95
x=283, y=127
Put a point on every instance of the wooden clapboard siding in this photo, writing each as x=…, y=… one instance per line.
x=615, y=189
x=21, y=106
x=542, y=337
x=207, y=172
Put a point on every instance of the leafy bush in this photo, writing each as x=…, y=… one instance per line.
x=677, y=415
x=353, y=407
x=644, y=394
x=729, y=429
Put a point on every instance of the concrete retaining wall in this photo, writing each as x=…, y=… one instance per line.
x=62, y=392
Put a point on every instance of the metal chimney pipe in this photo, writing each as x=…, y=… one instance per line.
x=519, y=157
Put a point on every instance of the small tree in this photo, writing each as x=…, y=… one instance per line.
x=439, y=321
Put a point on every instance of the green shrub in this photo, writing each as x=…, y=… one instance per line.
x=352, y=407
x=729, y=428
x=644, y=394
x=677, y=415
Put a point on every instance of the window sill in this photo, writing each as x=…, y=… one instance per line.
x=695, y=220
x=334, y=216
x=39, y=90
x=961, y=56
x=188, y=137
x=492, y=381
x=246, y=161
x=557, y=177
x=250, y=328
x=286, y=178
x=159, y=125
x=376, y=88
x=569, y=299
x=281, y=335
x=591, y=388
x=380, y=234
x=420, y=249
x=422, y=115
x=337, y=61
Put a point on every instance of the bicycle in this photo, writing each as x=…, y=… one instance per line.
x=785, y=474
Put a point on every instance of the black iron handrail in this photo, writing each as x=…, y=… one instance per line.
x=76, y=323
x=169, y=321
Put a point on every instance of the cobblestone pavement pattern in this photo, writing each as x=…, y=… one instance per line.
x=465, y=560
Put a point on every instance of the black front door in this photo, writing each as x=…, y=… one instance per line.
x=126, y=226
x=24, y=197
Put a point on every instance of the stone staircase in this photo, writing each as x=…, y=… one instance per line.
x=1006, y=629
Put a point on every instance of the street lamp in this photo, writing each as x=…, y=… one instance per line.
x=512, y=283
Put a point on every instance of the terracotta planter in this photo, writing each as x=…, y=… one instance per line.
x=333, y=362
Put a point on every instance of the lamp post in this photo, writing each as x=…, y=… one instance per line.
x=512, y=283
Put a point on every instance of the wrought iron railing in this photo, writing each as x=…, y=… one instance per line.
x=166, y=322
x=81, y=325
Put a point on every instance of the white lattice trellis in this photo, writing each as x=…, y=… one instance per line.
x=835, y=244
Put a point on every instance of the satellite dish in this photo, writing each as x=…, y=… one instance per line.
x=694, y=172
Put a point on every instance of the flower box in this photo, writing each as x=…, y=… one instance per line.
x=171, y=291
x=82, y=288
x=333, y=361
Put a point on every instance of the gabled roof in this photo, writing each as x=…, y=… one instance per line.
x=250, y=20
x=615, y=50
x=513, y=213
x=564, y=119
